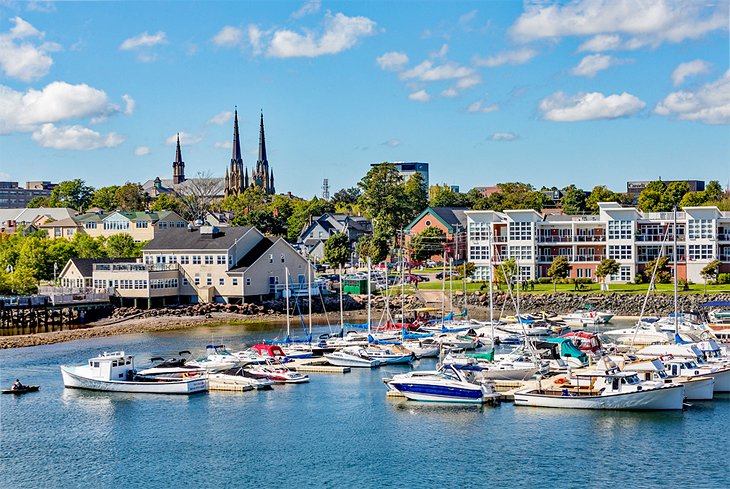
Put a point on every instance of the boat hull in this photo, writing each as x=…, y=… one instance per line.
x=699, y=388
x=439, y=393
x=665, y=398
x=353, y=362
x=188, y=386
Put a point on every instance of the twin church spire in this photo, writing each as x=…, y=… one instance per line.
x=237, y=176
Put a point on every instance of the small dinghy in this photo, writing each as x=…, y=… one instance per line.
x=23, y=390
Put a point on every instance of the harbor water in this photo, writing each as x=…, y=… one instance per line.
x=336, y=431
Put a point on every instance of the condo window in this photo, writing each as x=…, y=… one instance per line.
x=520, y=230
x=234, y=281
x=221, y=281
x=208, y=280
x=220, y=259
x=208, y=259
x=196, y=259
x=248, y=280
x=184, y=259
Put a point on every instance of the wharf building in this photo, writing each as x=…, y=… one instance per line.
x=198, y=265
x=625, y=234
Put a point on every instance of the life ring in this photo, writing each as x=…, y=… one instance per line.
x=185, y=375
x=561, y=380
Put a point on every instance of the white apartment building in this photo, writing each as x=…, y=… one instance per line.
x=630, y=237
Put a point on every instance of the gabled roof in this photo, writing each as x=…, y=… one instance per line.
x=61, y=223
x=254, y=254
x=85, y=266
x=184, y=239
x=451, y=217
x=30, y=214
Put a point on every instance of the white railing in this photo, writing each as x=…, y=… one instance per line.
x=71, y=295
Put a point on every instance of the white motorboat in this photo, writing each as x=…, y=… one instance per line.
x=583, y=317
x=690, y=368
x=610, y=389
x=423, y=348
x=115, y=372
x=276, y=373
x=238, y=376
x=462, y=341
x=174, y=368
x=641, y=334
x=390, y=354
x=217, y=358
x=508, y=367
x=352, y=356
x=448, y=384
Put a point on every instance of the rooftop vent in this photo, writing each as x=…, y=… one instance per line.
x=209, y=231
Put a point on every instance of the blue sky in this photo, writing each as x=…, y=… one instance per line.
x=550, y=93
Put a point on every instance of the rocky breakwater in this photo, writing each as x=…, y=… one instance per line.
x=619, y=304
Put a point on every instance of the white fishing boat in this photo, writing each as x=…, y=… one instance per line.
x=690, y=367
x=447, y=384
x=508, y=367
x=610, y=389
x=695, y=387
x=115, y=372
x=352, y=356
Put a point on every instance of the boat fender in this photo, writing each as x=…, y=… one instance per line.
x=639, y=388
x=185, y=375
x=561, y=380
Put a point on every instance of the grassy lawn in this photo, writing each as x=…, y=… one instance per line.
x=588, y=288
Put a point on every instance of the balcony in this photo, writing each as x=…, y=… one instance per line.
x=578, y=238
x=571, y=258
x=656, y=238
x=723, y=237
x=555, y=239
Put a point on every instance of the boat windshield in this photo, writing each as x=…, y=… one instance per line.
x=662, y=374
x=632, y=379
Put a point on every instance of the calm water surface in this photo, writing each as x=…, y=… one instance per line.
x=336, y=431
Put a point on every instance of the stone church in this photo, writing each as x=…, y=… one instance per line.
x=237, y=176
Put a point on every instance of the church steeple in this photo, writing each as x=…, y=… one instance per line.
x=178, y=166
x=236, y=157
x=262, y=144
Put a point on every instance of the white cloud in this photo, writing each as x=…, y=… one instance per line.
x=392, y=143
x=129, y=104
x=142, y=151
x=255, y=39
x=468, y=82
x=420, y=96
x=450, y=92
x=43, y=7
x=392, y=61
x=691, y=68
x=503, y=136
x=649, y=22
x=56, y=102
x=21, y=58
x=709, y=103
x=223, y=145
x=593, y=63
x=143, y=40
x=221, y=118
x=600, y=43
x=560, y=107
x=309, y=7
x=186, y=139
x=74, y=138
x=516, y=57
x=426, y=71
x=478, y=107
x=441, y=53
x=228, y=36
x=340, y=34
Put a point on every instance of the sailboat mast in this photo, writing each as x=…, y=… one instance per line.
x=451, y=285
x=286, y=288
x=369, y=314
x=342, y=313
x=443, y=289
x=309, y=297
x=402, y=283
x=674, y=259
x=491, y=285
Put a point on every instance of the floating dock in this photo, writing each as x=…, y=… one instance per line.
x=228, y=385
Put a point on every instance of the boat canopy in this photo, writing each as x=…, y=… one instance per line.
x=270, y=350
x=716, y=304
x=568, y=349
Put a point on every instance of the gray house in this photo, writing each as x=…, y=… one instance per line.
x=320, y=228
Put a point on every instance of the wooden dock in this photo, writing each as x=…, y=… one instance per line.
x=228, y=385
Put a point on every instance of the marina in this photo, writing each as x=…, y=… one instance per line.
x=332, y=415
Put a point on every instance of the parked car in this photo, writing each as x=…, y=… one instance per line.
x=441, y=275
x=431, y=264
x=332, y=277
x=423, y=278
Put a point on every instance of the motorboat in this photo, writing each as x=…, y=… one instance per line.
x=115, y=372
x=174, y=368
x=21, y=390
x=688, y=367
x=423, y=347
x=239, y=376
x=352, y=356
x=277, y=373
x=641, y=334
x=217, y=358
x=518, y=365
x=588, y=317
x=447, y=384
x=464, y=341
x=390, y=354
x=607, y=389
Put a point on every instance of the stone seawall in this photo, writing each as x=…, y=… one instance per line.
x=619, y=304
